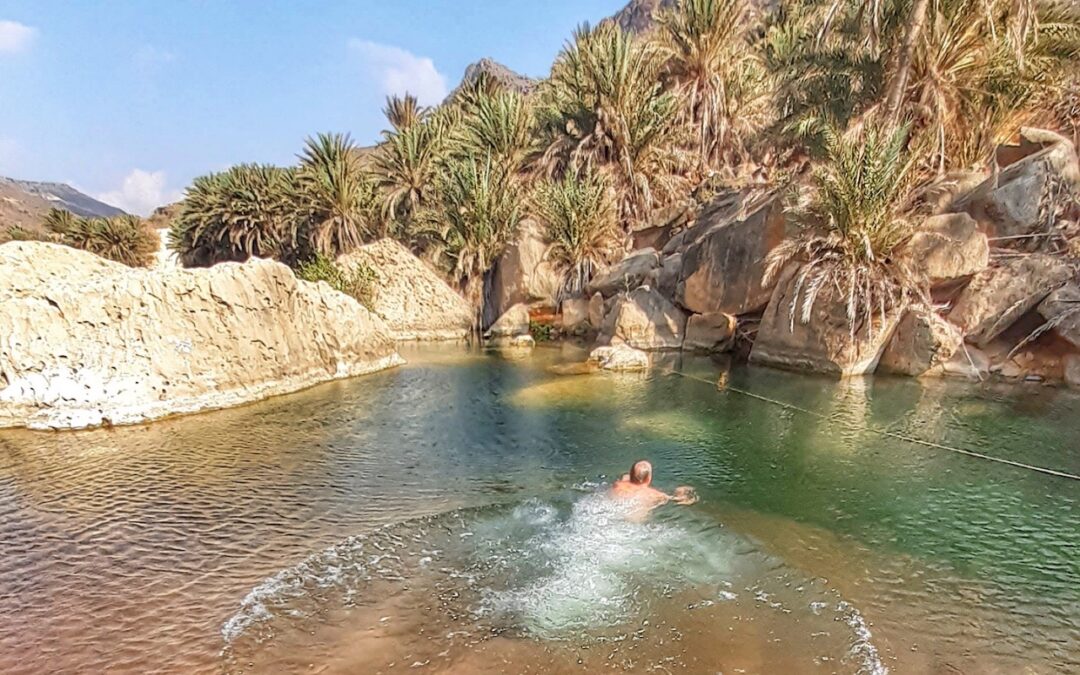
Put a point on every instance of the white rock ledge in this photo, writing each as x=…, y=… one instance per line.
x=86, y=342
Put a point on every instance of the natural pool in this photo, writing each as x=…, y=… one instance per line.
x=444, y=517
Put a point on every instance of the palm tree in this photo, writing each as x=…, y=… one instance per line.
x=477, y=211
x=406, y=163
x=403, y=112
x=604, y=106
x=854, y=216
x=499, y=124
x=124, y=239
x=579, y=217
x=247, y=210
x=337, y=195
x=724, y=90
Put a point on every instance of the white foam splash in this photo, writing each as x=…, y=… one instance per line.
x=863, y=648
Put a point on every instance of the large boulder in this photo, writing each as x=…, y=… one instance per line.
x=667, y=275
x=922, y=344
x=1013, y=202
x=625, y=275
x=522, y=274
x=513, y=323
x=1062, y=308
x=1072, y=370
x=410, y=296
x=710, y=332
x=574, y=314
x=644, y=319
x=998, y=296
x=87, y=342
x=826, y=343
x=596, y=311
x=949, y=246
x=723, y=271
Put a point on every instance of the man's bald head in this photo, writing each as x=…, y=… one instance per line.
x=641, y=473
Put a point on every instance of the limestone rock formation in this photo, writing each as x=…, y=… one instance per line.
x=710, y=332
x=625, y=275
x=596, y=311
x=723, y=270
x=87, y=342
x=644, y=319
x=825, y=344
x=1062, y=307
x=922, y=344
x=619, y=356
x=1000, y=295
x=410, y=296
x=522, y=273
x=949, y=246
x=513, y=323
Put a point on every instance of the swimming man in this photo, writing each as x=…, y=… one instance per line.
x=636, y=486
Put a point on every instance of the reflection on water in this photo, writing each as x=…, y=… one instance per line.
x=256, y=531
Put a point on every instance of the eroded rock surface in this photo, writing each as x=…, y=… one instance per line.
x=1000, y=295
x=644, y=319
x=513, y=323
x=710, y=332
x=922, y=344
x=410, y=296
x=723, y=270
x=619, y=356
x=522, y=274
x=1062, y=307
x=948, y=247
x=826, y=343
x=625, y=275
x=87, y=342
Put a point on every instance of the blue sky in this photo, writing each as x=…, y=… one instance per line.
x=129, y=100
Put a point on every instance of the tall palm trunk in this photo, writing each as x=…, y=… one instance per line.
x=902, y=70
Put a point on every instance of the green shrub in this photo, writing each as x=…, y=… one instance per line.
x=357, y=280
x=124, y=239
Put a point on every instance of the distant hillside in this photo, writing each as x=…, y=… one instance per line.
x=24, y=203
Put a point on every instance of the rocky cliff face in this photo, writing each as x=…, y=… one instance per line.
x=87, y=342
x=410, y=296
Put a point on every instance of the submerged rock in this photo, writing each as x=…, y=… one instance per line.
x=826, y=343
x=87, y=342
x=410, y=296
x=922, y=344
x=1000, y=295
x=619, y=356
x=645, y=320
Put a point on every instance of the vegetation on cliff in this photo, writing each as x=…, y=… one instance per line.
x=878, y=96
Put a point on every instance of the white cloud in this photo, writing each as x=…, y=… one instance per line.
x=141, y=192
x=399, y=71
x=15, y=37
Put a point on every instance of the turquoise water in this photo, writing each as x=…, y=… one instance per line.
x=449, y=515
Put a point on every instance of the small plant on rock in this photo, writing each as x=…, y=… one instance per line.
x=357, y=280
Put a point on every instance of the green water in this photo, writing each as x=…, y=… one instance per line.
x=135, y=548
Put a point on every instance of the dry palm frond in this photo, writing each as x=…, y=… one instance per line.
x=855, y=218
